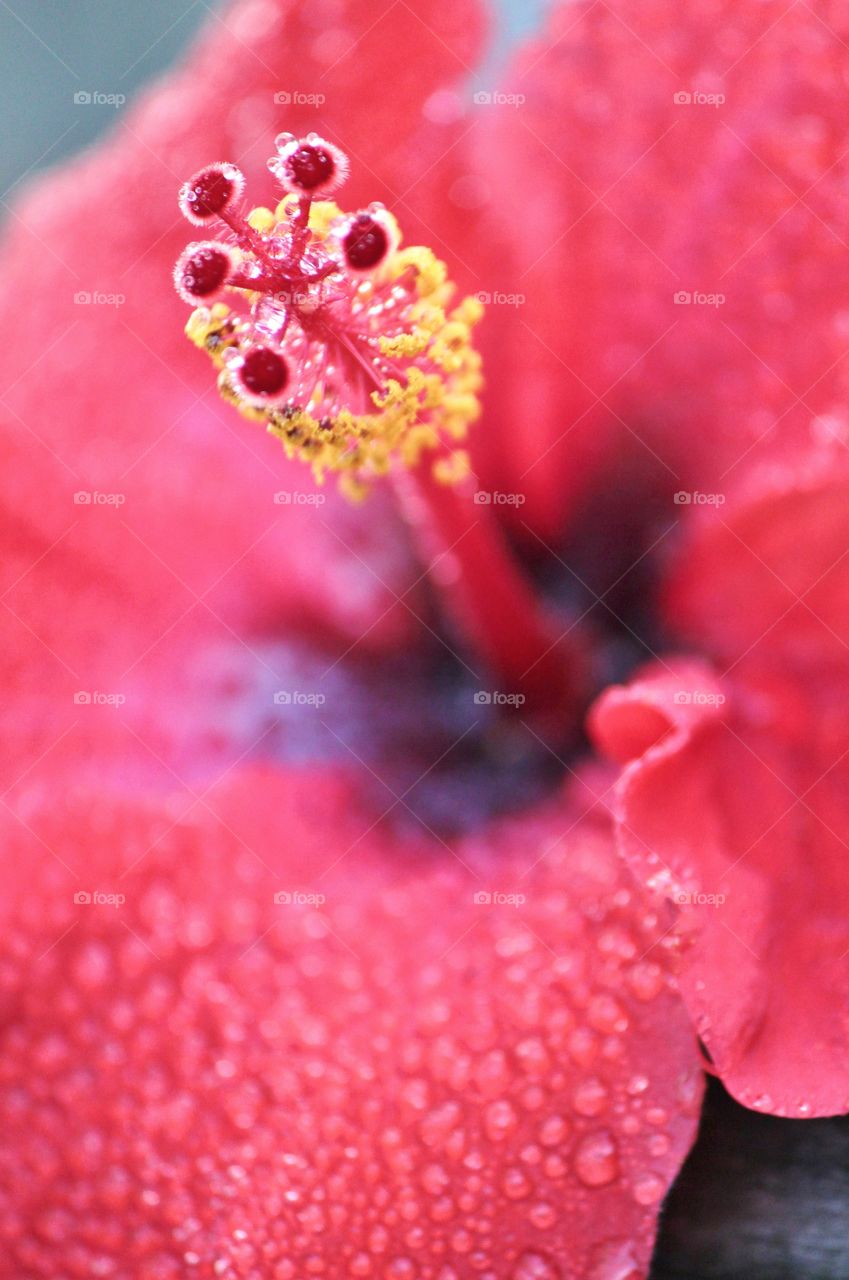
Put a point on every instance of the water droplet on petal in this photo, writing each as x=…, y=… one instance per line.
x=614, y=1260
x=515, y=1184
x=543, y=1215
x=535, y=1266
x=648, y=1188
x=499, y=1120
x=590, y=1098
x=597, y=1159
x=645, y=979
x=553, y=1131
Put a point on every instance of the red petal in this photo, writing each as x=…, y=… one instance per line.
x=399, y=1080
x=766, y=579
x=737, y=810
x=599, y=214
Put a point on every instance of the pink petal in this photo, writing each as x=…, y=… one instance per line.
x=734, y=806
x=765, y=580
x=607, y=197
x=397, y=1080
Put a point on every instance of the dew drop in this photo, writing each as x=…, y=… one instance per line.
x=532, y=1056
x=533, y=1098
x=461, y=1241
x=606, y=1015
x=535, y=1266
x=645, y=979
x=543, y=1215
x=438, y=1125
x=614, y=1260
x=442, y=1209
x=499, y=1120
x=583, y=1047
x=401, y=1269
x=515, y=1184
x=659, y=1144
x=648, y=1188
x=492, y=1074
x=92, y=966
x=553, y=1131
x=434, y=1179
x=596, y=1159
x=590, y=1098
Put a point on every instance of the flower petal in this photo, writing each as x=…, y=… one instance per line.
x=667, y=198
x=734, y=805
x=765, y=580
x=451, y=1060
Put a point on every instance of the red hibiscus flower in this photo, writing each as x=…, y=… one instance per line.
x=286, y=995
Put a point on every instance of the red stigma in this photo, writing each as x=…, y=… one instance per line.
x=263, y=373
x=366, y=243
x=210, y=192
x=202, y=271
x=310, y=166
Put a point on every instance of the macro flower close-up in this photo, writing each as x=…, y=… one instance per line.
x=425, y=599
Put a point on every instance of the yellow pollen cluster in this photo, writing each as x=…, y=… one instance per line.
x=427, y=407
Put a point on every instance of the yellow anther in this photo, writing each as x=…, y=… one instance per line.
x=453, y=468
x=400, y=380
x=261, y=219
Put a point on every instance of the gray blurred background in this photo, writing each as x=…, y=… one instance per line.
x=52, y=50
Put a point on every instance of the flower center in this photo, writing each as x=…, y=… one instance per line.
x=335, y=336
x=349, y=348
